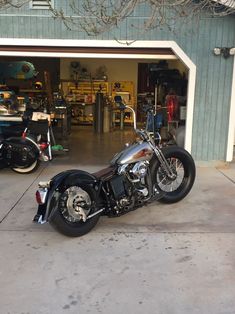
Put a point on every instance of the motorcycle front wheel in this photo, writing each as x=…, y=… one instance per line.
x=74, y=202
x=183, y=166
x=25, y=170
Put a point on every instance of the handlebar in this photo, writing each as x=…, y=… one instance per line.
x=143, y=133
x=134, y=115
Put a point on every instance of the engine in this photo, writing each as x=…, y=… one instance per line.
x=139, y=170
x=129, y=188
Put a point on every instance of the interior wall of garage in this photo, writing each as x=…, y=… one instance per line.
x=117, y=70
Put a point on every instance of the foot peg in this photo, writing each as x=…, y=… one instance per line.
x=38, y=219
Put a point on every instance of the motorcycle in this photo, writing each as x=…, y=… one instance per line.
x=23, y=153
x=143, y=172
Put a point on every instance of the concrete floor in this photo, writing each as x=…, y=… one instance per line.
x=82, y=141
x=163, y=259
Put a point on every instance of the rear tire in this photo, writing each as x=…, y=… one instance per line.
x=33, y=167
x=182, y=163
x=67, y=219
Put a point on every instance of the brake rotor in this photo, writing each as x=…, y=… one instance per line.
x=77, y=204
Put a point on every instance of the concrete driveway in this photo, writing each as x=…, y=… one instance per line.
x=160, y=259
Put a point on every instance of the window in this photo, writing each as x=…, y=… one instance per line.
x=41, y=4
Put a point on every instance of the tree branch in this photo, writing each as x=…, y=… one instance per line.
x=98, y=16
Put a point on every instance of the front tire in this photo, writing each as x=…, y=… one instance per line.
x=73, y=201
x=182, y=164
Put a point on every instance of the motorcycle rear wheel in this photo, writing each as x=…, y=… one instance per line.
x=182, y=164
x=67, y=218
x=26, y=170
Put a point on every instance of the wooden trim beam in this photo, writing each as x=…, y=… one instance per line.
x=98, y=50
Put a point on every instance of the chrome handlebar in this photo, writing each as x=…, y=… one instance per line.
x=134, y=116
x=144, y=134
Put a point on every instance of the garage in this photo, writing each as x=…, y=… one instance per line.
x=143, y=77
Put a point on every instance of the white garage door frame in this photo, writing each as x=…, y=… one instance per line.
x=231, y=128
x=179, y=53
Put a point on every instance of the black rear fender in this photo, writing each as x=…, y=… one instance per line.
x=68, y=178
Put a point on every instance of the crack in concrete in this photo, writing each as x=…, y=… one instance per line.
x=6, y=215
x=230, y=179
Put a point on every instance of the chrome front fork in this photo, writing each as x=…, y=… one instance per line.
x=164, y=163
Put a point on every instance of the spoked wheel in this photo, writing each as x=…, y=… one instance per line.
x=75, y=204
x=183, y=167
x=165, y=183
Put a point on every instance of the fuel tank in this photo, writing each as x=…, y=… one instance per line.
x=134, y=153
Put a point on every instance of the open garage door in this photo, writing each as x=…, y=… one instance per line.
x=110, y=52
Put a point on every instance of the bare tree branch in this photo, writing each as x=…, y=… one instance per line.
x=4, y=4
x=98, y=16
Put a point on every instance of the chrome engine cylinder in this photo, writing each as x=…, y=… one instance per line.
x=140, y=169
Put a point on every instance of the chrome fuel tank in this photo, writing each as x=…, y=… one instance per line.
x=134, y=153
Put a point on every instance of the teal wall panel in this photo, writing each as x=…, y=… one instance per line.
x=197, y=38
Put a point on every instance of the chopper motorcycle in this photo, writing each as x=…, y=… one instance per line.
x=73, y=200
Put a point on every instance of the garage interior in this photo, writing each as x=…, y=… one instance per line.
x=79, y=94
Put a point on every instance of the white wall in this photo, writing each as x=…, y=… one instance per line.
x=117, y=70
